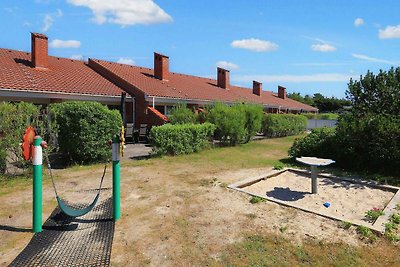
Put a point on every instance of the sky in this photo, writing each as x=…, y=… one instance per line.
x=308, y=46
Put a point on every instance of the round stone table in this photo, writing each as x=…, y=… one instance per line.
x=314, y=163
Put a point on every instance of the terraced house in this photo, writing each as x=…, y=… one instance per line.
x=42, y=79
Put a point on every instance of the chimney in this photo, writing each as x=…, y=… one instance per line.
x=39, y=51
x=281, y=92
x=161, y=67
x=223, y=78
x=257, y=88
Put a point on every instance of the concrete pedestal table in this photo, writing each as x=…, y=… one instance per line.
x=314, y=163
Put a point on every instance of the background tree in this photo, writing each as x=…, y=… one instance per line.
x=377, y=94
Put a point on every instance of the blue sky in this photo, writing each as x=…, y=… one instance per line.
x=312, y=46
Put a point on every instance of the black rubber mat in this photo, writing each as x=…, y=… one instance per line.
x=66, y=241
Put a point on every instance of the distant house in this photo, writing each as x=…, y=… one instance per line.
x=41, y=79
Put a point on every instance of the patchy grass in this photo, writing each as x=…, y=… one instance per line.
x=260, y=153
x=165, y=215
x=256, y=199
x=345, y=225
x=274, y=250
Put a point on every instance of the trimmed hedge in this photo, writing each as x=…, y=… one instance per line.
x=84, y=128
x=180, y=138
x=279, y=125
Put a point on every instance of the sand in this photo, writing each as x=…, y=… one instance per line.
x=348, y=201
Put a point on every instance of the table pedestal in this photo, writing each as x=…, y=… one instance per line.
x=314, y=174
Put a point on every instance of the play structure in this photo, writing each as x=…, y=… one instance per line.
x=32, y=149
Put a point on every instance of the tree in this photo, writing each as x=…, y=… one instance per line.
x=377, y=94
x=324, y=104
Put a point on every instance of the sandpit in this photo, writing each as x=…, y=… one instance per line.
x=348, y=199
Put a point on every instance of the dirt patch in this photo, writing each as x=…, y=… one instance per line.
x=174, y=216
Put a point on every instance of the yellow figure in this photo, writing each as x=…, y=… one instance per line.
x=122, y=140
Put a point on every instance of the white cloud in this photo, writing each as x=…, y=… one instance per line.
x=47, y=22
x=390, y=32
x=318, y=77
x=372, y=59
x=227, y=65
x=358, y=22
x=124, y=12
x=77, y=57
x=48, y=19
x=323, y=47
x=127, y=61
x=57, y=43
x=254, y=44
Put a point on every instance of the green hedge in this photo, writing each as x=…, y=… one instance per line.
x=279, y=125
x=84, y=128
x=371, y=141
x=14, y=119
x=180, y=138
x=319, y=143
x=180, y=114
x=235, y=124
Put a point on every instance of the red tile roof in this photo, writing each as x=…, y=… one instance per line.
x=62, y=76
x=187, y=87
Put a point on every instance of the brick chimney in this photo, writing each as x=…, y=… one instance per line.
x=39, y=51
x=257, y=88
x=223, y=78
x=161, y=67
x=281, y=92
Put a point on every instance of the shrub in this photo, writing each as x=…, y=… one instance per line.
x=230, y=123
x=371, y=141
x=319, y=143
x=235, y=124
x=180, y=139
x=254, y=119
x=180, y=114
x=84, y=128
x=373, y=214
x=14, y=119
x=279, y=125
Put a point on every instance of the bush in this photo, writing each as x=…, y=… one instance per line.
x=279, y=125
x=84, y=128
x=14, y=119
x=235, y=124
x=371, y=141
x=180, y=114
x=319, y=143
x=230, y=123
x=254, y=119
x=180, y=139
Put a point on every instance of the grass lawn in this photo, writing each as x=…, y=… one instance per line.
x=177, y=211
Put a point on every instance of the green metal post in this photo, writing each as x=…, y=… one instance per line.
x=37, y=161
x=116, y=178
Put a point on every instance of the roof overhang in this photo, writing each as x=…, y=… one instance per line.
x=37, y=94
